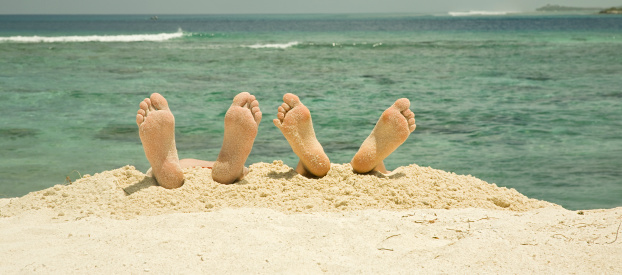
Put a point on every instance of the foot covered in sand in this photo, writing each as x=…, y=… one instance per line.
x=294, y=121
x=156, y=127
x=392, y=129
x=241, y=123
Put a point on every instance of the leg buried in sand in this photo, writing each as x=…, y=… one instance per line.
x=156, y=126
x=392, y=129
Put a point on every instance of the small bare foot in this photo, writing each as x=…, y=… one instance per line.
x=241, y=123
x=156, y=127
x=294, y=120
x=392, y=129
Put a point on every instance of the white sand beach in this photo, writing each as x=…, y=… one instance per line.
x=414, y=220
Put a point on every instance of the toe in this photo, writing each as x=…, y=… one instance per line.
x=254, y=104
x=257, y=115
x=408, y=114
x=291, y=99
x=285, y=107
x=402, y=104
x=277, y=123
x=149, y=105
x=241, y=99
x=412, y=127
x=158, y=101
x=144, y=105
x=140, y=119
x=250, y=100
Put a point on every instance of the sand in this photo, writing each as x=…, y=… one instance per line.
x=416, y=219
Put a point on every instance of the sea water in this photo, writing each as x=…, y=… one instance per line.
x=531, y=102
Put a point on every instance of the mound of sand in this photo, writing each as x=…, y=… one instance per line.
x=126, y=193
x=414, y=220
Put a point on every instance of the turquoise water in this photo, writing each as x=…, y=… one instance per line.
x=526, y=102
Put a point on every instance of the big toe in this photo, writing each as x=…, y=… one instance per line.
x=291, y=99
x=243, y=98
x=402, y=104
x=158, y=101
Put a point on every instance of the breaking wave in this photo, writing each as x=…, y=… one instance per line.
x=274, y=46
x=94, y=38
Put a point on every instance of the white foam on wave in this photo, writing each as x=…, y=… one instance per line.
x=475, y=13
x=274, y=46
x=93, y=38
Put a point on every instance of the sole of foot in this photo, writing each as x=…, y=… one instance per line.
x=294, y=121
x=241, y=124
x=156, y=127
x=392, y=129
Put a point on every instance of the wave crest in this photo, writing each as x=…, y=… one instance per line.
x=274, y=46
x=94, y=38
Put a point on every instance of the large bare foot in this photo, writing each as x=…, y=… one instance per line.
x=294, y=120
x=392, y=129
x=241, y=123
x=156, y=127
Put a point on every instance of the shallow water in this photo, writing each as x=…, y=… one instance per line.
x=527, y=102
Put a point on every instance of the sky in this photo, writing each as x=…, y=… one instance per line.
x=279, y=6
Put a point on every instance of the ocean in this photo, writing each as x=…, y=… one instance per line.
x=531, y=102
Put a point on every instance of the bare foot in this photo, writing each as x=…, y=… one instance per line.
x=241, y=123
x=294, y=120
x=392, y=129
x=156, y=127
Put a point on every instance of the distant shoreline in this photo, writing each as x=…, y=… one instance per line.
x=612, y=10
x=595, y=10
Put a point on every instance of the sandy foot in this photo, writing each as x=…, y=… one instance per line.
x=156, y=127
x=241, y=123
x=294, y=120
x=392, y=129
